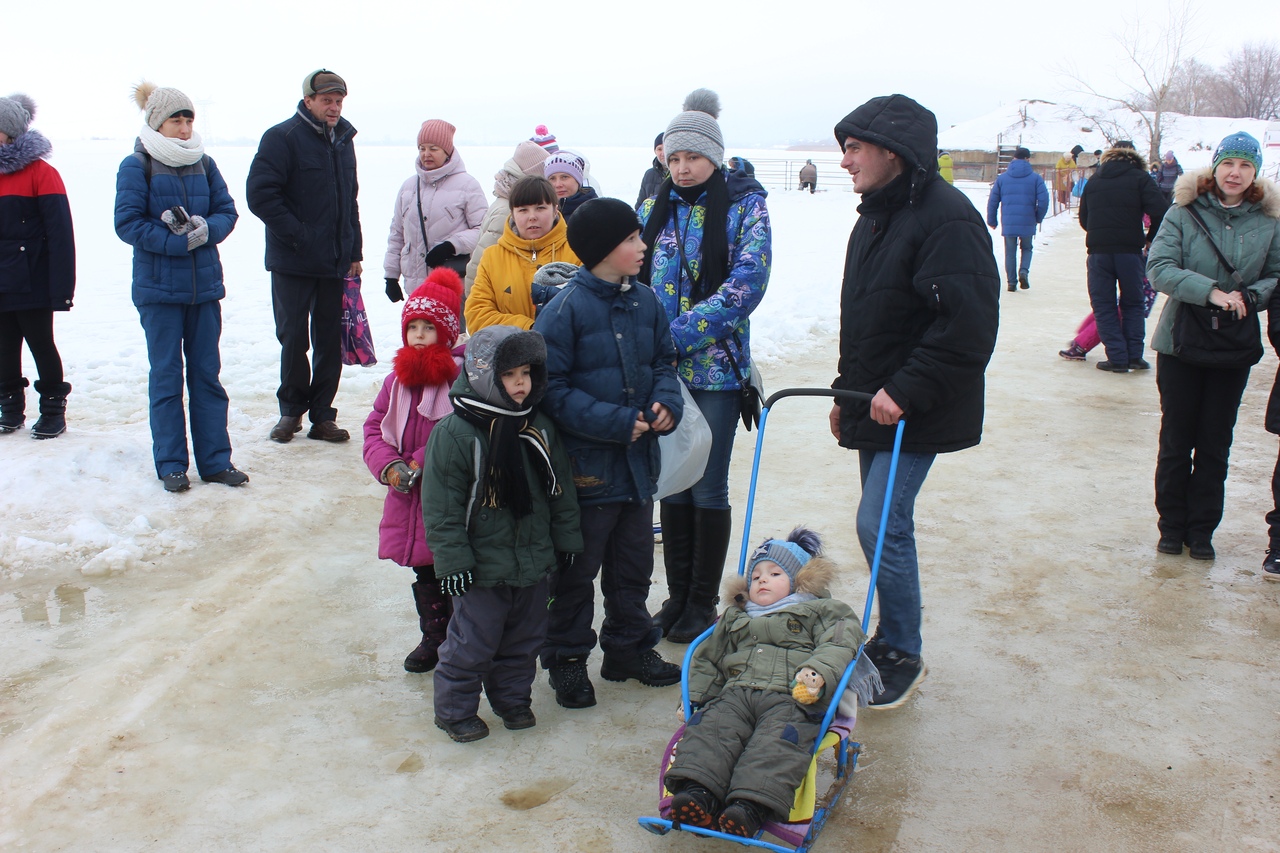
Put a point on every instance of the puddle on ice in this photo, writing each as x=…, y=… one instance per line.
x=532, y=796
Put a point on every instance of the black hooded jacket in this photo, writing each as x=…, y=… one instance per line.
x=919, y=307
x=1113, y=202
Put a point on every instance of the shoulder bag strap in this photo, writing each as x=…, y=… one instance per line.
x=1235, y=274
x=417, y=188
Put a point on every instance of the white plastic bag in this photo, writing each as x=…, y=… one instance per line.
x=684, y=451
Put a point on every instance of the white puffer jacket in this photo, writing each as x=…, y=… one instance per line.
x=453, y=204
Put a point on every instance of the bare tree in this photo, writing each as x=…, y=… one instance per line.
x=1196, y=90
x=1252, y=74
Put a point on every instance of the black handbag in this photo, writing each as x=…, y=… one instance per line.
x=1209, y=336
x=752, y=386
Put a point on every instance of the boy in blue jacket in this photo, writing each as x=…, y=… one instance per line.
x=612, y=390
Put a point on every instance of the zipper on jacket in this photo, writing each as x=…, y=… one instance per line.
x=186, y=203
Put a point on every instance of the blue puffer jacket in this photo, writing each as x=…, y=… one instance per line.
x=609, y=358
x=1024, y=196
x=163, y=270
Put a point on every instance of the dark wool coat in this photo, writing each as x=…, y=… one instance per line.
x=919, y=307
x=302, y=185
x=163, y=270
x=1113, y=202
x=37, y=245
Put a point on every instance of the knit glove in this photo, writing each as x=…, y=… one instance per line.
x=807, y=686
x=199, y=233
x=401, y=477
x=441, y=253
x=394, y=293
x=456, y=585
x=564, y=560
x=176, y=219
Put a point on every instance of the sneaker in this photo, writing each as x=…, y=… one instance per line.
x=175, y=482
x=900, y=674
x=285, y=428
x=647, y=667
x=694, y=806
x=742, y=818
x=569, y=679
x=1112, y=367
x=464, y=731
x=1013, y=288
x=229, y=477
x=1201, y=550
x=1139, y=364
x=328, y=431
x=1169, y=545
x=1271, y=565
x=1023, y=281
x=1073, y=353
x=518, y=718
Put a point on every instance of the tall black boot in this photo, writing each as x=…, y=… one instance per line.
x=710, y=546
x=53, y=409
x=677, y=557
x=13, y=404
x=434, y=610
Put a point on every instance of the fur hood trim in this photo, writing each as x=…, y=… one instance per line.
x=1112, y=155
x=1187, y=190
x=814, y=578
x=23, y=151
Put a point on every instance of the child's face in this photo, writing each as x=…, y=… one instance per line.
x=564, y=184
x=534, y=220
x=432, y=156
x=518, y=382
x=769, y=583
x=421, y=333
x=177, y=127
x=625, y=260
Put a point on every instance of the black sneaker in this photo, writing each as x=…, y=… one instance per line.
x=1271, y=565
x=230, y=477
x=518, y=718
x=1013, y=288
x=900, y=674
x=175, y=482
x=569, y=679
x=694, y=806
x=1023, y=281
x=1139, y=364
x=1169, y=545
x=1201, y=550
x=464, y=731
x=647, y=667
x=1112, y=367
x=1074, y=352
x=742, y=818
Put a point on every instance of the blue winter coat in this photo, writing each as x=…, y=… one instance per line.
x=609, y=358
x=163, y=270
x=1024, y=196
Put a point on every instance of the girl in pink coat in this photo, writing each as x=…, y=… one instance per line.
x=413, y=398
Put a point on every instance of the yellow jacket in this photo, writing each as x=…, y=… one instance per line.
x=501, y=293
x=1063, y=179
x=945, y=164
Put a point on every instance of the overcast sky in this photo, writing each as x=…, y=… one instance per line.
x=597, y=72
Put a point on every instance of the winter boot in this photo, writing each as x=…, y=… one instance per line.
x=694, y=805
x=53, y=409
x=434, y=610
x=13, y=405
x=711, y=544
x=677, y=556
x=568, y=676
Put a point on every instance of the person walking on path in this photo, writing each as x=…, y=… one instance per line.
x=1111, y=212
x=919, y=310
x=1200, y=390
x=172, y=205
x=302, y=185
x=1022, y=200
x=437, y=215
x=37, y=270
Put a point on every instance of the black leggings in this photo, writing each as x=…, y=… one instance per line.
x=36, y=327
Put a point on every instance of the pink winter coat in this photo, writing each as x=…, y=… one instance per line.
x=453, y=205
x=400, y=534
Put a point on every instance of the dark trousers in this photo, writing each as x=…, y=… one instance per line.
x=1198, y=408
x=618, y=545
x=811, y=186
x=191, y=331
x=36, y=328
x=1273, y=517
x=493, y=641
x=1122, y=337
x=308, y=312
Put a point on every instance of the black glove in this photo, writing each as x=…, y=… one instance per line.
x=456, y=585
x=564, y=561
x=394, y=293
x=441, y=253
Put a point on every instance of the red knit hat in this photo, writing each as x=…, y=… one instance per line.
x=437, y=300
x=437, y=132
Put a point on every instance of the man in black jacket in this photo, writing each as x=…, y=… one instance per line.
x=1111, y=209
x=919, y=310
x=302, y=185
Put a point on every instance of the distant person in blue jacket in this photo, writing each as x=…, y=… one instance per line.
x=173, y=207
x=1021, y=192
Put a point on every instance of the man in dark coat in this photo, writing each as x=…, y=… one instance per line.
x=1111, y=209
x=302, y=185
x=919, y=310
x=656, y=175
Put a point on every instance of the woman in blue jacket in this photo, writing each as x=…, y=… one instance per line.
x=173, y=207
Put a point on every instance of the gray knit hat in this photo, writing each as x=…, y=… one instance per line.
x=696, y=128
x=16, y=112
x=158, y=104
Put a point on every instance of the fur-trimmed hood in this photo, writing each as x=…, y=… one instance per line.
x=1115, y=155
x=1188, y=189
x=23, y=151
x=814, y=577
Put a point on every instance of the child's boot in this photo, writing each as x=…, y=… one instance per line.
x=13, y=404
x=434, y=609
x=694, y=805
x=53, y=409
x=743, y=818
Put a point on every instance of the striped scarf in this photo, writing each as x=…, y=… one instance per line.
x=503, y=483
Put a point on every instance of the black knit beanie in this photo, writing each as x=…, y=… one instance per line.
x=598, y=227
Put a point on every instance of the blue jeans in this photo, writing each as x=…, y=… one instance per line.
x=1122, y=331
x=898, y=584
x=1011, y=266
x=722, y=409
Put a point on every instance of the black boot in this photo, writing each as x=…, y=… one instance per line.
x=711, y=544
x=677, y=557
x=13, y=404
x=434, y=610
x=568, y=676
x=53, y=409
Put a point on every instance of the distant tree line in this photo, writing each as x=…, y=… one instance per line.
x=1247, y=85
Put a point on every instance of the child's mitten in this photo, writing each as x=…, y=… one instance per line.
x=807, y=687
x=400, y=477
x=456, y=585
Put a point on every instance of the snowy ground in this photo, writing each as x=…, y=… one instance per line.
x=220, y=670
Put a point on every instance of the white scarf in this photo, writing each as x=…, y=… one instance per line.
x=174, y=153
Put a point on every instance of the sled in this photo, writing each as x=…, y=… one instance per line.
x=811, y=809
